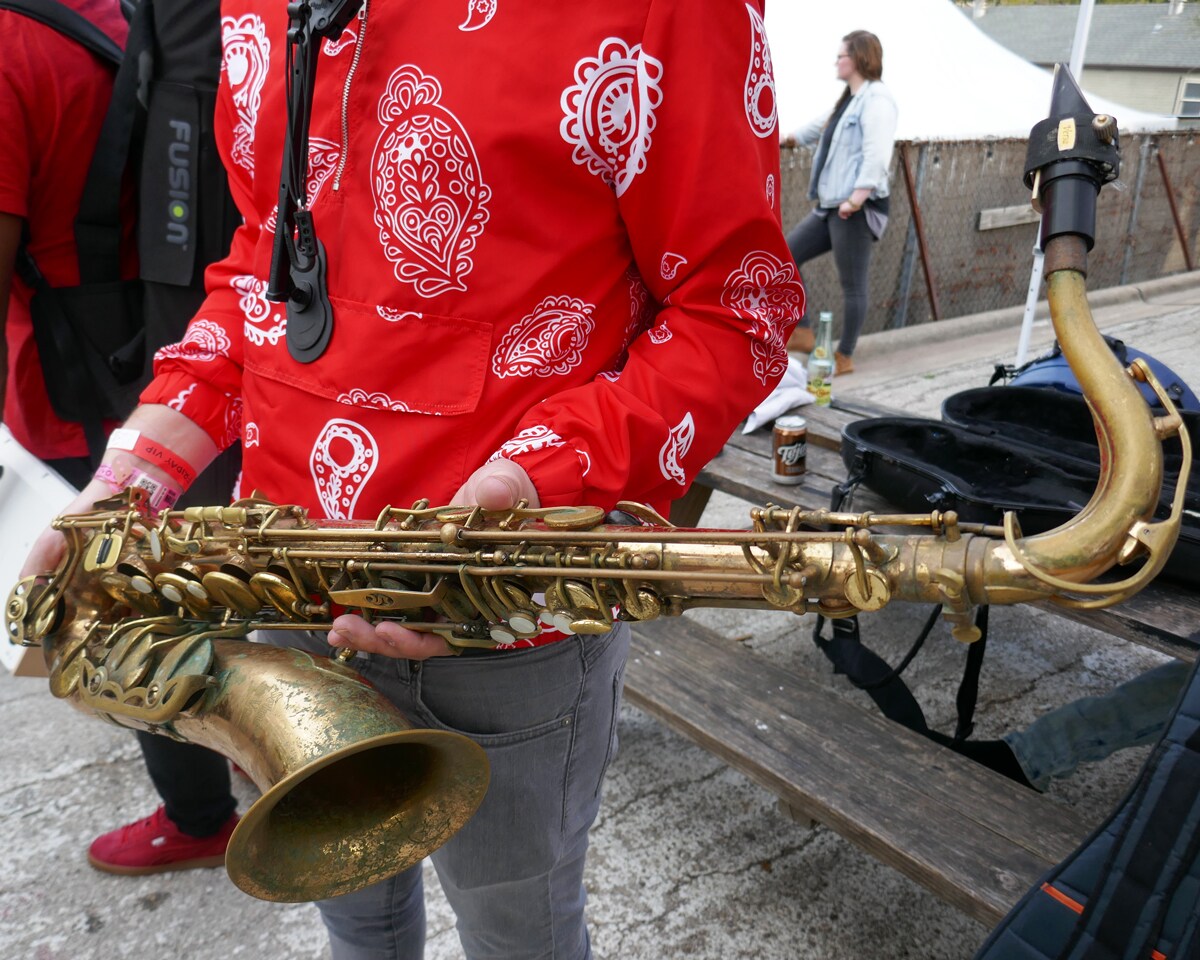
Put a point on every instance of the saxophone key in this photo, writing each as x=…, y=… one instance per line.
x=232, y=592
x=103, y=552
x=589, y=626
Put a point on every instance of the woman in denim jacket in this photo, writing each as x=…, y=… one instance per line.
x=852, y=147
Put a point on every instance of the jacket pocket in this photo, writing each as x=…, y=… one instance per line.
x=386, y=359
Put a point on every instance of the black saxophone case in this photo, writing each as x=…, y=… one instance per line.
x=1031, y=450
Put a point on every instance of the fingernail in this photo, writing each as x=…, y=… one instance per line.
x=335, y=638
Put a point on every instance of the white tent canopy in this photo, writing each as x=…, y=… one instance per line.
x=951, y=81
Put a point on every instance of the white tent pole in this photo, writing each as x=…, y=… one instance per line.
x=1083, y=24
x=1031, y=299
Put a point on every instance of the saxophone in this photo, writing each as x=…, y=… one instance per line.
x=146, y=621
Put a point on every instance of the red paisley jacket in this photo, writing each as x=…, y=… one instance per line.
x=551, y=236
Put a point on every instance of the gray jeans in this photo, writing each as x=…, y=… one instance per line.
x=1092, y=728
x=851, y=241
x=547, y=718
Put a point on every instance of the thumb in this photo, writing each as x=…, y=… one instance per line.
x=498, y=485
x=496, y=492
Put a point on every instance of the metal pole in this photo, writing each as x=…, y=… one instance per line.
x=1179, y=231
x=1131, y=233
x=1083, y=23
x=1031, y=299
x=908, y=262
x=919, y=223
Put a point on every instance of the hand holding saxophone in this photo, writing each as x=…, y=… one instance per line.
x=152, y=465
x=497, y=485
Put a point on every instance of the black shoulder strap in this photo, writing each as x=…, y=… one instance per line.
x=69, y=23
x=98, y=222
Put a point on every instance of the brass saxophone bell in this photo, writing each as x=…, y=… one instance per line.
x=352, y=792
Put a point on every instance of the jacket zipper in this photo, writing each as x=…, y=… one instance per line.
x=358, y=45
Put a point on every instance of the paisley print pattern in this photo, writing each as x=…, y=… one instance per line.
x=392, y=315
x=343, y=458
x=770, y=189
x=250, y=434
x=323, y=156
x=379, y=401
x=335, y=45
x=205, y=340
x=528, y=440
x=181, y=398
x=679, y=442
x=479, y=14
x=430, y=198
x=767, y=292
x=233, y=423
x=761, y=109
x=669, y=265
x=252, y=298
x=660, y=333
x=610, y=111
x=549, y=341
x=245, y=56
x=642, y=308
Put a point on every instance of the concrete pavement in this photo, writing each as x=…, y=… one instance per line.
x=688, y=858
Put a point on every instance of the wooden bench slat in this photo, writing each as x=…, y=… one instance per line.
x=971, y=836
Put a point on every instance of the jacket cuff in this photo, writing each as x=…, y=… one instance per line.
x=209, y=408
x=552, y=465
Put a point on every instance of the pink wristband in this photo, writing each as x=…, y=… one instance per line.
x=162, y=495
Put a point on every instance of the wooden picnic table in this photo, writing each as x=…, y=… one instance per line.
x=972, y=836
x=1161, y=616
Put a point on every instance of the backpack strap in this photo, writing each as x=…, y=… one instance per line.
x=98, y=222
x=66, y=21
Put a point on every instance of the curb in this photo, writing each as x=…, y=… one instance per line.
x=885, y=341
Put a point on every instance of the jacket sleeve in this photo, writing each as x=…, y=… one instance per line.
x=809, y=135
x=702, y=214
x=879, y=135
x=201, y=375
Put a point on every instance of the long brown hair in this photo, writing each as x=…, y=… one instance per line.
x=867, y=53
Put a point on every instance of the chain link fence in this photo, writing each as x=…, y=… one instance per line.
x=977, y=249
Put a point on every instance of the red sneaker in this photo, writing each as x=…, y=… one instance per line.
x=155, y=845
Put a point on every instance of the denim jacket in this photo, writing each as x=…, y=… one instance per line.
x=861, y=149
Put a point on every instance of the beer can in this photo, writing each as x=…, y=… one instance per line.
x=790, y=446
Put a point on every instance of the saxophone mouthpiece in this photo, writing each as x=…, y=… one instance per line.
x=1071, y=155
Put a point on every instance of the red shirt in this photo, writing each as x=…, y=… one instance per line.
x=552, y=237
x=53, y=97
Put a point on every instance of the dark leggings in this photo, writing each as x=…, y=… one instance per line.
x=851, y=242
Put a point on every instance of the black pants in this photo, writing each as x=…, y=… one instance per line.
x=851, y=241
x=194, y=781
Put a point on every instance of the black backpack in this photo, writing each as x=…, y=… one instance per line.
x=95, y=340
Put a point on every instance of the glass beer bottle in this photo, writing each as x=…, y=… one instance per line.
x=820, y=361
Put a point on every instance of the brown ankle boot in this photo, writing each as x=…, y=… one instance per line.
x=842, y=364
x=803, y=339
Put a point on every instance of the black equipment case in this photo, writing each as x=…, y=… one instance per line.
x=1031, y=450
